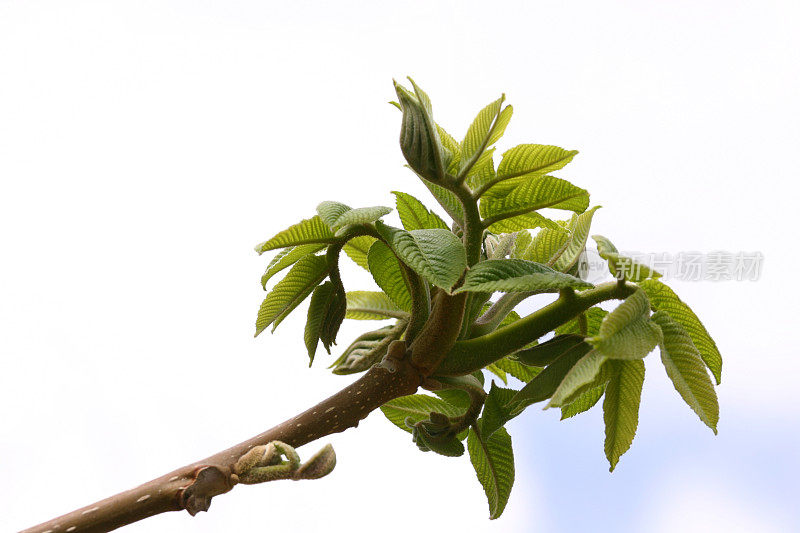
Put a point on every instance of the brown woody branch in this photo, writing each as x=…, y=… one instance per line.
x=192, y=487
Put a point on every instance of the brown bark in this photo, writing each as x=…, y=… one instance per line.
x=193, y=486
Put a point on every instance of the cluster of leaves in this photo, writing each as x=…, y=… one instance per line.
x=519, y=252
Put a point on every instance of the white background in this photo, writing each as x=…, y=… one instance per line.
x=145, y=147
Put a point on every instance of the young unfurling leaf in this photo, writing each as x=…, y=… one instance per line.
x=325, y=315
x=416, y=407
x=620, y=266
x=426, y=279
x=419, y=136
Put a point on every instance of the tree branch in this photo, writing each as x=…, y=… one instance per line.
x=193, y=486
x=470, y=355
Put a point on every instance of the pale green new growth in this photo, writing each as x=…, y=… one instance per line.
x=265, y=463
x=621, y=407
x=435, y=254
x=486, y=129
x=286, y=258
x=576, y=243
x=538, y=193
x=337, y=215
x=291, y=291
x=372, y=305
x=414, y=215
x=388, y=274
x=416, y=408
x=620, y=266
x=517, y=275
x=585, y=374
x=627, y=332
x=313, y=230
x=583, y=403
x=686, y=370
x=526, y=161
x=357, y=249
x=451, y=287
x=547, y=246
x=662, y=298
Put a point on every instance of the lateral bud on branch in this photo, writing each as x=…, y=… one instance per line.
x=266, y=463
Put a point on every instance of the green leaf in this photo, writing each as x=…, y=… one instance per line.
x=312, y=230
x=482, y=171
x=457, y=397
x=532, y=195
x=368, y=349
x=584, y=402
x=594, y=317
x=580, y=226
x=321, y=299
x=449, y=201
x=325, y=314
x=621, y=407
x=497, y=371
x=517, y=275
x=496, y=410
x=337, y=215
x=414, y=215
x=417, y=407
x=527, y=221
x=584, y=375
x=447, y=445
x=388, y=274
x=662, y=298
x=357, y=249
x=622, y=267
x=435, y=254
x=521, y=244
x=520, y=371
x=545, y=353
x=510, y=318
x=334, y=317
x=548, y=244
x=485, y=128
x=452, y=146
x=493, y=460
x=288, y=293
x=419, y=136
x=286, y=258
x=500, y=125
x=687, y=371
x=498, y=246
x=527, y=160
x=546, y=383
x=627, y=332
x=372, y=305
